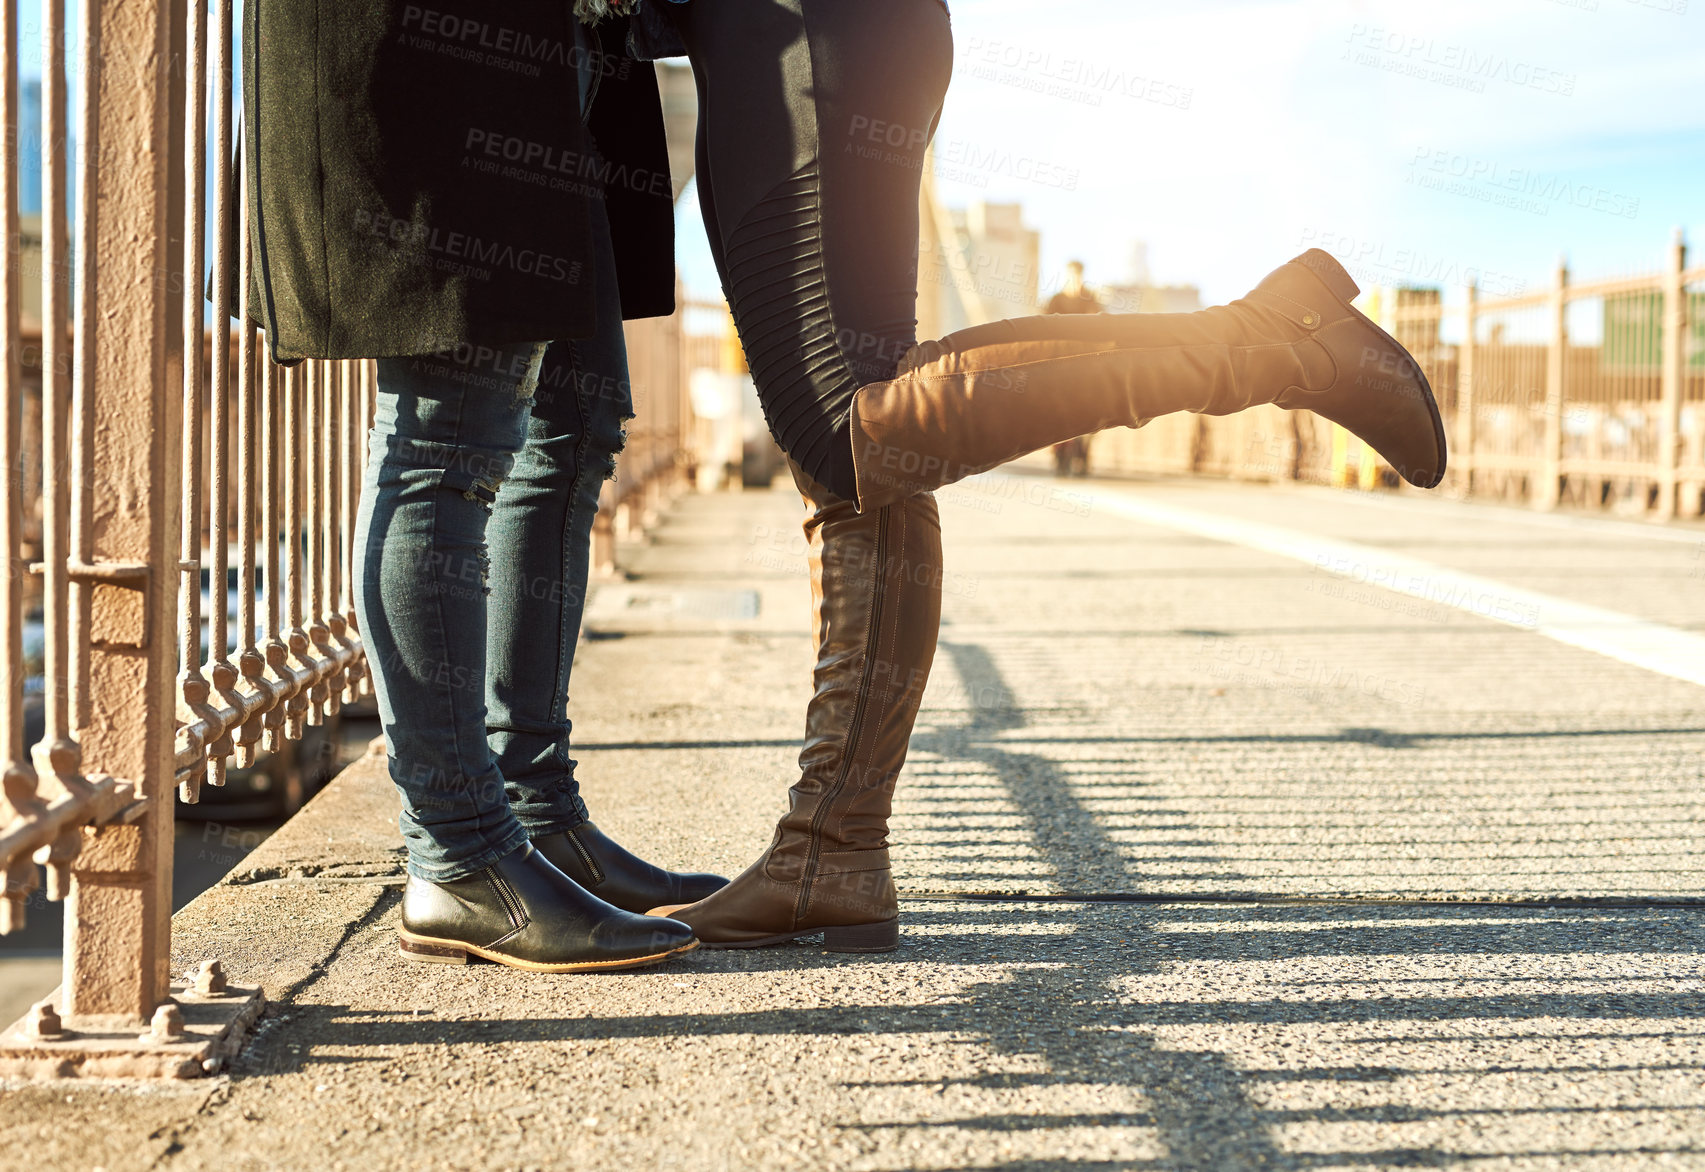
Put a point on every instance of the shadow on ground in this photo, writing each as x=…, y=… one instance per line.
x=1088, y=1035
x=1260, y=1037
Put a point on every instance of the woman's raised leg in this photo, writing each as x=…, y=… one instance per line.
x=989, y=394
x=815, y=116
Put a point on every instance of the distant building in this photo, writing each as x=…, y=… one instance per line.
x=975, y=264
x=1141, y=295
x=1003, y=257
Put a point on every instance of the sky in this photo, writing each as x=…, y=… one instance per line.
x=1425, y=142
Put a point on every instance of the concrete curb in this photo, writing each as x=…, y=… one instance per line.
x=325, y=876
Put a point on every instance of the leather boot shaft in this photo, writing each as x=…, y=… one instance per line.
x=983, y=396
x=876, y=595
x=876, y=587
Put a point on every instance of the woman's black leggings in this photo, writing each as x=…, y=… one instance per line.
x=814, y=116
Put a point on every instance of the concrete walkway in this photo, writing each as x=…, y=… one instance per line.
x=1340, y=876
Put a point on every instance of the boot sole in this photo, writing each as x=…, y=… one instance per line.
x=883, y=936
x=1426, y=389
x=1340, y=285
x=429, y=950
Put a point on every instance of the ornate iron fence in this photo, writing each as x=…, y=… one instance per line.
x=173, y=458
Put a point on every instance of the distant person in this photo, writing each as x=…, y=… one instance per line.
x=1071, y=457
x=1075, y=296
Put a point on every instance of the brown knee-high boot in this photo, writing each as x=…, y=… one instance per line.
x=876, y=577
x=989, y=394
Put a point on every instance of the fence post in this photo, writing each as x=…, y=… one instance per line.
x=1548, y=489
x=118, y=919
x=1674, y=376
x=1463, y=457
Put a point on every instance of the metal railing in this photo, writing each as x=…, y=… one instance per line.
x=1584, y=393
x=1588, y=393
x=173, y=458
x=180, y=523
x=655, y=457
x=100, y=557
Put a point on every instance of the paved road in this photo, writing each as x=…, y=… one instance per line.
x=1190, y=697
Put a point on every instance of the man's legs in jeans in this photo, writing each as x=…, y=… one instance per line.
x=540, y=536
x=445, y=433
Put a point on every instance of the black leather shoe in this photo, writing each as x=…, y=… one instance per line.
x=524, y=913
x=613, y=873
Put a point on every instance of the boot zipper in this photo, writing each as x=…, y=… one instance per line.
x=872, y=645
x=510, y=901
x=586, y=859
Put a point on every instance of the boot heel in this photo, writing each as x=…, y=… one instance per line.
x=424, y=953
x=880, y=937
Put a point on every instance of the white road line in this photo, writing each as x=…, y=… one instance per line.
x=1675, y=533
x=1656, y=647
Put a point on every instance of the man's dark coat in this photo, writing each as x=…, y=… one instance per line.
x=423, y=179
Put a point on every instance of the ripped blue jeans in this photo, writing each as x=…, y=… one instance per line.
x=482, y=483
